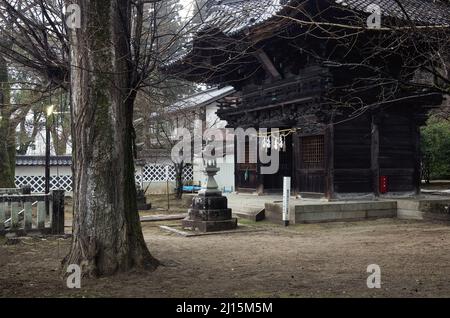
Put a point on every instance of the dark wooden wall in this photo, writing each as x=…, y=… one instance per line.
x=384, y=143
x=397, y=150
x=352, y=156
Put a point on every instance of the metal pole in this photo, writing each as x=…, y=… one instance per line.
x=47, y=164
x=168, y=195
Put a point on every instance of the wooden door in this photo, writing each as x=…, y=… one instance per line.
x=309, y=159
x=246, y=173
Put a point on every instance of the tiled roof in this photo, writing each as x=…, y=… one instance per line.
x=202, y=98
x=234, y=16
x=426, y=12
x=40, y=160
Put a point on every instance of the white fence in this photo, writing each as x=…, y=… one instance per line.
x=37, y=183
x=159, y=173
x=149, y=174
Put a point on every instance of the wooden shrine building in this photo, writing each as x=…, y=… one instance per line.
x=347, y=92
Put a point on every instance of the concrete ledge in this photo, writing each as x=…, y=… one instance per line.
x=424, y=209
x=405, y=214
x=253, y=215
x=333, y=211
x=274, y=213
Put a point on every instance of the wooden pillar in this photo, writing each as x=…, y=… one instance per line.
x=14, y=215
x=57, y=220
x=295, y=161
x=375, y=156
x=417, y=177
x=259, y=175
x=27, y=216
x=3, y=206
x=329, y=161
x=41, y=213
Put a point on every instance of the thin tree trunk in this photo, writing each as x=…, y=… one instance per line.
x=7, y=137
x=179, y=179
x=59, y=141
x=107, y=235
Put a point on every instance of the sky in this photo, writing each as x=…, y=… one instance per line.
x=187, y=7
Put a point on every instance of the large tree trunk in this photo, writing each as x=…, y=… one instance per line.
x=7, y=137
x=107, y=235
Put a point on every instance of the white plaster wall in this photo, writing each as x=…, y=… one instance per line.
x=40, y=171
x=225, y=176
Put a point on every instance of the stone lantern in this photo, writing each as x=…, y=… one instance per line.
x=209, y=211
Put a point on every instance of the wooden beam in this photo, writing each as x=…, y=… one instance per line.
x=295, y=162
x=267, y=64
x=3, y=207
x=329, y=163
x=14, y=215
x=23, y=198
x=259, y=176
x=41, y=215
x=375, y=156
x=57, y=217
x=28, y=216
x=417, y=177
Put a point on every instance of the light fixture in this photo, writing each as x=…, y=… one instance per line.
x=50, y=110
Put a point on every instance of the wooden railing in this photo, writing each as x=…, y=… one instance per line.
x=10, y=191
x=26, y=213
x=287, y=91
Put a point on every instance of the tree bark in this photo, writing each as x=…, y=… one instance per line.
x=7, y=137
x=107, y=234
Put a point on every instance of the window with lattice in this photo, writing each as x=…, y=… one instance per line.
x=313, y=150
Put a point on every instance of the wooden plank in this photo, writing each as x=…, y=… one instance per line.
x=267, y=64
x=14, y=215
x=49, y=209
x=158, y=218
x=57, y=212
x=23, y=198
x=417, y=178
x=41, y=215
x=28, y=216
x=3, y=207
x=329, y=161
x=295, y=162
x=375, y=155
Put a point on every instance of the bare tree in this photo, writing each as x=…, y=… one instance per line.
x=103, y=64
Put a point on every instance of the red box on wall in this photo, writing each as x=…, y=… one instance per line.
x=383, y=184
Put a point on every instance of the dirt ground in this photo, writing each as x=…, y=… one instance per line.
x=325, y=260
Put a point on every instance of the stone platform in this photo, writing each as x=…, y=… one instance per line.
x=425, y=208
x=332, y=211
x=210, y=226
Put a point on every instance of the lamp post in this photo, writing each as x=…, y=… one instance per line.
x=49, y=112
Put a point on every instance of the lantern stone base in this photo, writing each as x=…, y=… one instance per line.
x=209, y=213
x=210, y=226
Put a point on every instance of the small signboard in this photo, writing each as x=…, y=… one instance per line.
x=286, y=197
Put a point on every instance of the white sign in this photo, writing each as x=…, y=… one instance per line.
x=374, y=279
x=374, y=20
x=74, y=279
x=286, y=197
